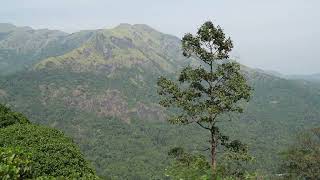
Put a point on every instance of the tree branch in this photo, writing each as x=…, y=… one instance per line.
x=199, y=123
x=207, y=149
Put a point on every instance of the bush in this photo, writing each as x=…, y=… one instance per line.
x=52, y=153
x=8, y=117
x=15, y=164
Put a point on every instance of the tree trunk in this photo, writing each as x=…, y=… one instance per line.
x=213, y=152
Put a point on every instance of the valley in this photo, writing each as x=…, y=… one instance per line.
x=99, y=87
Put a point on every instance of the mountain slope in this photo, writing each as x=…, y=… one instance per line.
x=122, y=47
x=21, y=47
x=102, y=92
x=311, y=77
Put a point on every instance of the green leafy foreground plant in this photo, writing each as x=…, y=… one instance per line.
x=53, y=154
x=205, y=93
x=15, y=164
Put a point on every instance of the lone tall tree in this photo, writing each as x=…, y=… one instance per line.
x=205, y=93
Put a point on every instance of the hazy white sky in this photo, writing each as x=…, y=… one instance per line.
x=280, y=35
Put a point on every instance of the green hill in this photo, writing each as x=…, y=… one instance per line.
x=102, y=92
x=21, y=47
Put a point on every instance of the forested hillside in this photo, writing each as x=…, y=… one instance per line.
x=99, y=87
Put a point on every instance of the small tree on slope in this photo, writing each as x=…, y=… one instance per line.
x=205, y=93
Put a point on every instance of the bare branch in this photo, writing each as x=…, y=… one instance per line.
x=206, y=149
x=203, y=126
x=214, y=119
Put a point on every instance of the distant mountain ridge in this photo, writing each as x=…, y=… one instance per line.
x=99, y=87
x=123, y=46
x=21, y=47
x=310, y=77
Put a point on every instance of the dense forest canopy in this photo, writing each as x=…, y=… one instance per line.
x=99, y=87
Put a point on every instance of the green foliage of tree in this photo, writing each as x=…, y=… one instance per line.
x=8, y=117
x=302, y=160
x=190, y=166
x=187, y=166
x=53, y=154
x=235, y=160
x=277, y=109
x=205, y=93
x=15, y=164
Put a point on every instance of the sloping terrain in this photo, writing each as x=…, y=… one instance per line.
x=21, y=47
x=102, y=92
x=312, y=78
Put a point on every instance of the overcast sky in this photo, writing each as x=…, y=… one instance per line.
x=279, y=35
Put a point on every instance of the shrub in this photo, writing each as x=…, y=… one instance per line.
x=15, y=164
x=53, y=154
x=8, y=117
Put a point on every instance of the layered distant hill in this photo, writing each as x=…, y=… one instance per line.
x=99, y=87
x=20, y=47
x=311, y=77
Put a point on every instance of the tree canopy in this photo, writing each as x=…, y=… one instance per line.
x=302, y=160
x=207, y=92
